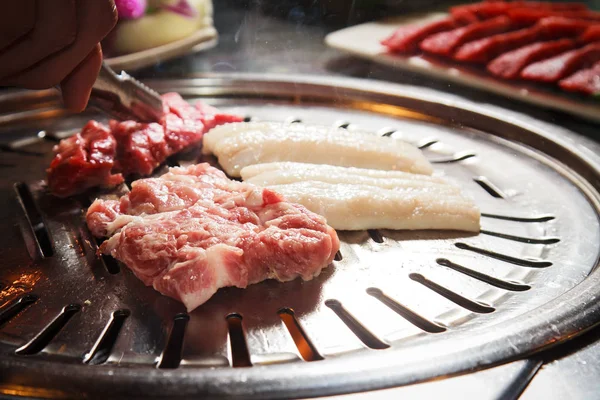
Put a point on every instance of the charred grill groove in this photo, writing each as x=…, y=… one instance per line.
x=541, y=218
x=489, y=187
x=452, y=296
x=305, y=347
x=171, y=355
x=405, y=312
x=515, y=287
x=361, y=332
x=543, y=240
x=43, y=338
x=101, y=350
x=522, y=262
x=240, y=356
x=12, y=309
x=35, y=219
x=457, y=157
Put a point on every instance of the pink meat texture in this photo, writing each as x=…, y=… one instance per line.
x=101, y=156
x=193, y=231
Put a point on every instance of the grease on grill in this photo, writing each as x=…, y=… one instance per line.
x=306, y=348
x=512, y=286
x=239, y=354
x=405, y=312
x=456, y=298
x=42, y=339
x=171, y=355
x=107, y=339
x=13, y=308
x=361, y=332
x=522, y=262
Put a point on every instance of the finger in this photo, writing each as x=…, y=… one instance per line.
x=77, y=86
x=55, y=28
x=95, y=19
x=16, y=20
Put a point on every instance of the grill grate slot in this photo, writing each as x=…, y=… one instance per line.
x=11, y=149
x=522, y=262
x=543, y=240
x=171, y=355
x=42, y=339
x=375, y=235
x=111, y=265
x=426, y=143
x=452, y=296
x=35, y=219
x=405, y=312
x=238, y=347
x=541, y=218
x=101, y=350
x=361, y=332
x=306, y=348
x=489, y=187
x=515, y=287
x=338, y=256
x=457, y=157
x=13, y=308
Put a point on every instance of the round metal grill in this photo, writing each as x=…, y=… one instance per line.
x=394, y=308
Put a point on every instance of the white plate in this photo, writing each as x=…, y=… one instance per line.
x=364, y=41
x=203, y=39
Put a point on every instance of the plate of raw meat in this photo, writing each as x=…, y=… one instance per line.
x=546, y=54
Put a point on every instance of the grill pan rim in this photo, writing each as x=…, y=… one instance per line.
x=579, y=309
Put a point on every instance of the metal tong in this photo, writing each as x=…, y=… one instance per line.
x=125, y=98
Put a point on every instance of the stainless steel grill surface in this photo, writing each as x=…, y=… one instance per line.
x=395, y=308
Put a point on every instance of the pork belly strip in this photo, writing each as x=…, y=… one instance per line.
x=586, y=81
x=406, y=39
x=193, y=231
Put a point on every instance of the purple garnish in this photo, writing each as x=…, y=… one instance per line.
x=130, y=9
x=181, y=7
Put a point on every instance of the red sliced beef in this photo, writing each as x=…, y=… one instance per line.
x=84, y=160
x=563, y=65
x=445, y=43
x=489, y=9
x=586, y=81
x=407, y=38
x=486, y=49
x=527, y=16
x=509, y=65
x=592, y=34
x=99, y=156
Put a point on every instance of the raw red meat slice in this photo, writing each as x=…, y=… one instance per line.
x=486, y=49
x=509, y=65
x=490, y=9
x=592, y=34
x=444, y=43
x=483, y=50
x=558, y=67
x=526, y=16
x=129, y=147
x=407, y=38
x=585, y=81
x=83, y=161
x=193, y=231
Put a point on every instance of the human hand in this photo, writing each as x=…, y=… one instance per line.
x=44, y=43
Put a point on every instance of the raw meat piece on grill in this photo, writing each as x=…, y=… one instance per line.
x=563, y=65
x=84, y=160
x=586, y=81
x=406, y=39
x=486, y=49
x=129, y=147
x=525, y=16
x=445, y=43
x=509, y=65
x=193, y=231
